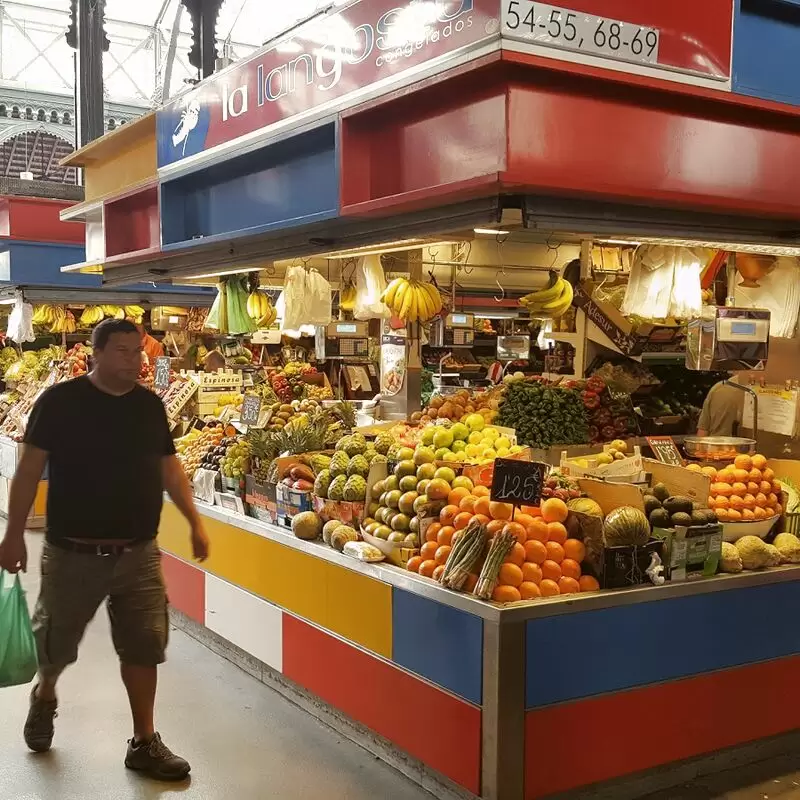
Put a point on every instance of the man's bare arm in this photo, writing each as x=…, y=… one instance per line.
x=13, y=554
x=177, y=487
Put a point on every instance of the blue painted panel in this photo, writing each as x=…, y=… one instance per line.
x=39, y=264
x=595, y=652
x=766, y=50
x=439, y=643
x=287, y=183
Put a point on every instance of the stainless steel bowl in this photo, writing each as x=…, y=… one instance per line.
x=718, y=448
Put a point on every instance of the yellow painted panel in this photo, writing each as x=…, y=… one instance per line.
x=351, y=605
x=40, y=501
x=135, y=165
x=359, y=609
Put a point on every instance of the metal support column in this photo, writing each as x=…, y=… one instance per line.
x=89, y=73
x=503, y=736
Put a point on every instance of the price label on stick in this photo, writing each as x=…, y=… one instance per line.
x=665, y=450
x=251, y=409
x=161, y=378
x=518, y=482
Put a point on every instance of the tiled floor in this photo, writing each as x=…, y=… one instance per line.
x=245, y=741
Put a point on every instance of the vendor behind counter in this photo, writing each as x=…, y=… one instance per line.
x=722, y=411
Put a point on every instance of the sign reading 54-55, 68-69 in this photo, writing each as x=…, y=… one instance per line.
x=550, y=25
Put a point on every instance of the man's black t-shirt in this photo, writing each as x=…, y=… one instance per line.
x=104, y=457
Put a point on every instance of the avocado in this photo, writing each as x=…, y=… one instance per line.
x=711, y=516
x=699, y=517
x=660, y=518
x=651, y=504
x=661, y=492
x=682, y=518
x=678, y=504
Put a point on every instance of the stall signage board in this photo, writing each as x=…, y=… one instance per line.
x=777, y=410
x=331, y=62
x=251, y=409
x=676, y=36
x=161, y=378
x=665, y=450
x=518, y=482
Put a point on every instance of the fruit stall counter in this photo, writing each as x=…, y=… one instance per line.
x=485, y=698
x=9, y=457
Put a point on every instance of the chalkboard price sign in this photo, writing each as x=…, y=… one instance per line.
x=518, y=482
x=665, y=450
x=251, y=409
x=161, y=379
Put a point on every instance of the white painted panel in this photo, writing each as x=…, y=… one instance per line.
x=3, y=495
x=245, y=620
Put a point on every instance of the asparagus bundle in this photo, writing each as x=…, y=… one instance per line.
x=464, y=556
x=498, y=550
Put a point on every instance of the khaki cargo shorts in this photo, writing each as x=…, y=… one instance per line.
x=73, y=587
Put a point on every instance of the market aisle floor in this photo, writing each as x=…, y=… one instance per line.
x=244, y=740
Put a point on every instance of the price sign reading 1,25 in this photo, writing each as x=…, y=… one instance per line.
x=161, y=377
x=518, y=482
x=554, y=26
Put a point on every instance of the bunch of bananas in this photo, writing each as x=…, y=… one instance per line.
x=551, y=302
x=44, y=314
x=136, y=313
x=115, y=312
x=347, y=297
x=260, y=309
x=412, y=301
x=64, y=321
x=91, y=316
x=259, y=306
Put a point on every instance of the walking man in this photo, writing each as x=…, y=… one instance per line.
x=110, y=455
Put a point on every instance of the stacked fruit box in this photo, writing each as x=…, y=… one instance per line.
x=211, y=386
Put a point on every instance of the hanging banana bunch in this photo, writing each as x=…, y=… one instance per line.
x=551, y=302
x=44, y=315
x=411, y=300
x=258, y=304
x=91, y=316
x=64, y=321
x=136, y=313
x=347, y=297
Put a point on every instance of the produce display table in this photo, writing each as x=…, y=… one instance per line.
x=9, y=457
x=506, y=703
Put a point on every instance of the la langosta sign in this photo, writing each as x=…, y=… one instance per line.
x=329, y=58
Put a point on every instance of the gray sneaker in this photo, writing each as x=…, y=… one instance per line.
x=155, y=759
x=39, y=724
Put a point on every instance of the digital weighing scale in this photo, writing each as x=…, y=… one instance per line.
x=728, y=339
x=340, y=340
x=344, y=346
x=455, y=330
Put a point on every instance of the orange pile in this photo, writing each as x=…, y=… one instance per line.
x=744, y=491
x=544, y=562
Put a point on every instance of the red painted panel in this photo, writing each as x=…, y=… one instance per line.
x=36, y=219
x=612, y=143
x=623, y=733
x=132, y=223
x=423, y=143
x=694, y=35
x=427, y=723
x=186, y=587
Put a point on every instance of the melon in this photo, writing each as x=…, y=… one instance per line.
x=626, y=526
x=306, y=525
x=585, y=505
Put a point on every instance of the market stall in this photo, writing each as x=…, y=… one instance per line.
x=512, y=198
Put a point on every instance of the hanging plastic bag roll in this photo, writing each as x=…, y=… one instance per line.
x=296, y=299
x=370, y=285
x=320, y=299
x=17, y=647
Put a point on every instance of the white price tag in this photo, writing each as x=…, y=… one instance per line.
x=542, y=23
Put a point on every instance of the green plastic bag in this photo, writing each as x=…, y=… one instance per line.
x=17, y=646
